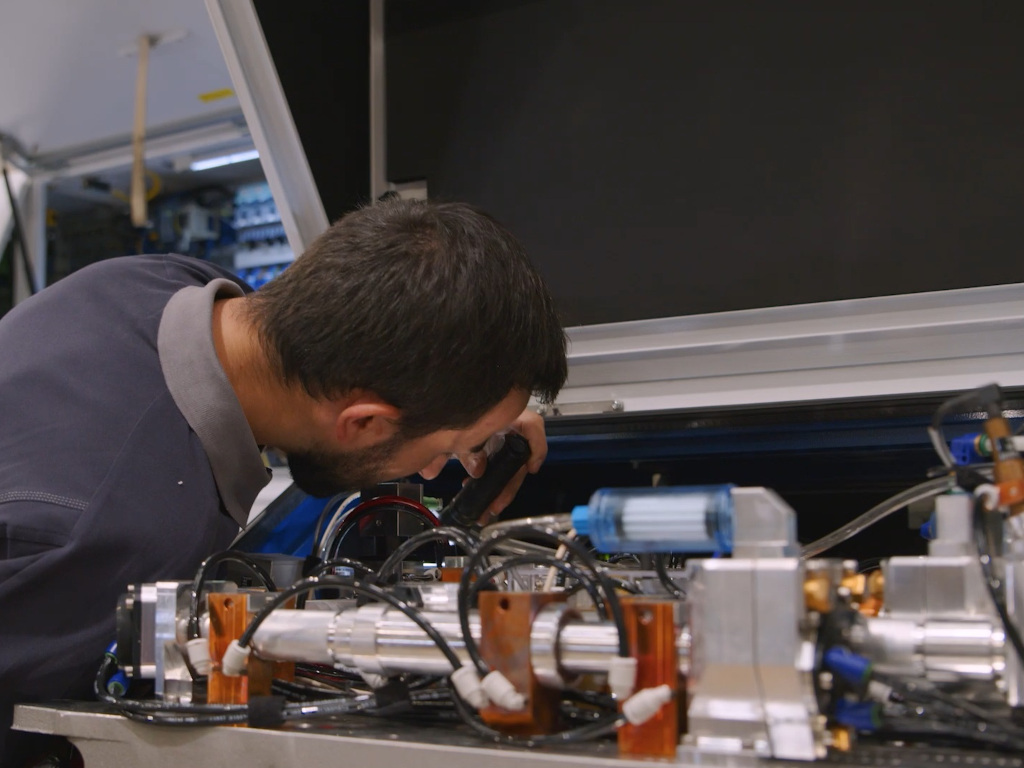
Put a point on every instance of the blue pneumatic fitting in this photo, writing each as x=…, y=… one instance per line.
x=861, y=715
x=970, y=449
x=851, y=667
x=928, y=529
x=117, y=685
x=695, y=519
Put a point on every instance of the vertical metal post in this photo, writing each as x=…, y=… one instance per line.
x=378, y=103
x=35, y=229
x=139, y=208
x=14, y=196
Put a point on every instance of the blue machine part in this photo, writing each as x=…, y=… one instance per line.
x=294, y=534
x=853, y=668
x=671, y=519
x=861, y=715
x=970, y=448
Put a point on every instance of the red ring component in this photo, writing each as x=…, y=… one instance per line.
x=365, y=509
x=398, y=501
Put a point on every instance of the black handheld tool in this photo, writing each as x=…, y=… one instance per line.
x=465, y=509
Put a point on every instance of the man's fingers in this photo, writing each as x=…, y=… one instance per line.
x=504, y=498
x=530, y=425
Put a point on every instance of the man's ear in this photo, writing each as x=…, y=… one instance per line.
x=364, y=421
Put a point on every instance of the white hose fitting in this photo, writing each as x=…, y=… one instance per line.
x=622, y=676
x=235, y=659
x=467, y=684
x=374, y=681
x=199, y=655
x=990, y=493
x=879, y=691
x=645, y=704
x=501, y=691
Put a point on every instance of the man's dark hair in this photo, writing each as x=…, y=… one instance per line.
x=432, y=306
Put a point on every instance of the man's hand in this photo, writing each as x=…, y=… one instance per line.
x=531, y=426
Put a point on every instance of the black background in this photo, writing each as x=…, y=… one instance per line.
x=663, y=158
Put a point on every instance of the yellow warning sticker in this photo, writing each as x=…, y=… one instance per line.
x=223, y=93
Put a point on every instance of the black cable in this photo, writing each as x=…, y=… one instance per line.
x=926, y=729
x=109, y=666
x=164, y=713
x=203, y=572
x=593, y=698
x=19, y=232
x=986, y=549
x=444, y=534
x=602, y=727
x=290, y=688
x=292, y=711
x=328, y=674
x=912, y=691
x=661, y=568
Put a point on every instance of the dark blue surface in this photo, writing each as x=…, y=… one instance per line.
x=293, y=535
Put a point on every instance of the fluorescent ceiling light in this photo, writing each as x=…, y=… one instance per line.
x=217, y=162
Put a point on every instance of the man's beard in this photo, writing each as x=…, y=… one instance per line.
x=322, y=474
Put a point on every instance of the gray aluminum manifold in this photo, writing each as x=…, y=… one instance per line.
x=939, y=622
x=751, y=675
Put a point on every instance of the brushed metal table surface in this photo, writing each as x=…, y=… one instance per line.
x=109, y=740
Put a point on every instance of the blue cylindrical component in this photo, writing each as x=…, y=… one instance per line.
x=852, y=667
x=928, y=528
x=674, y=519
x=862, y=715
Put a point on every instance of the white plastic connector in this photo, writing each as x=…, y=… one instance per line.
x=622, y=676
x=374, y=681
x=235, y=659
x=645, y=704
x=467, y=684
x=199, y=654
x=990, y=494
x=879, y=691
x=500, y=691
